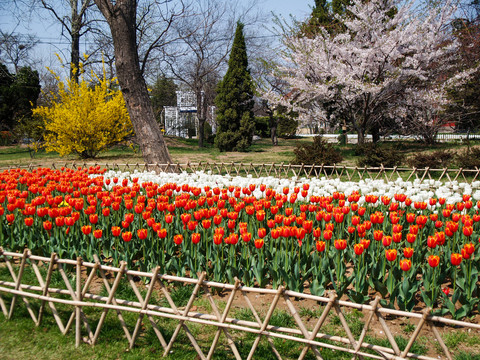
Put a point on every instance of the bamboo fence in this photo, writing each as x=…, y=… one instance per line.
x=38, y=295
x=345, y=173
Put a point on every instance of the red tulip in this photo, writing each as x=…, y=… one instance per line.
x=260, y=215
x=129, y=218
x=195, y=238
x=413, y=229
x=468, y=231
x=320, y=245
x=162, y=233
x=405, y=264
x=232, y=239
x=217, y=239
x=47, y=225
x=206, y=223
x=391, y=254
x=387, y=241
x=300, y=233
x=432, y=242
x=470, y=248
x=433, y=260
x=217, y=219
x=97, y=233
x=440, y=236
x=116, y=231
x=408, y=252
x=93, y=218
x=397, y=237
x=127, y=236
x=456, y=259
x=258, y=243
x=262, y=232
x=410, y=217
x=465, y=254
x=411, y=238
x=327, y=234
x=86, y=229
x=275, y=233
x=377, y=235
x=358, y=249
x=246, y=236
x=368, y=224
x=365, y=243
x=142, y=234
x=10, y=218
x=177, y=239
x=361, y=228
x=340, y=244
x=192, y=225
x=28, y=221
x=397, y=228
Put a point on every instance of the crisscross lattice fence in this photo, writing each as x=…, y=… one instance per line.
x=345, y=173
x=39, y=294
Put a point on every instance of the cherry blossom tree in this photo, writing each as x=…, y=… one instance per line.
x=366, y=74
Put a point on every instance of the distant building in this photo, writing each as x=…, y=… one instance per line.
x=181, y=120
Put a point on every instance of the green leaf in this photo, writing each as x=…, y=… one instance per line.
x=380, y=287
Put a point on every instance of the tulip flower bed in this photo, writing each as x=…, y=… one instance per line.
x=409, y=246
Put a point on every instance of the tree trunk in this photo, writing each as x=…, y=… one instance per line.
x=201, y=116
x=360, y=137
x=375, y=134
x=121, y=18
x=201, y=132
x=273, y=131
x=75, y=54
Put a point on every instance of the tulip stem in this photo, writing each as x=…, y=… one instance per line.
x=455, y=279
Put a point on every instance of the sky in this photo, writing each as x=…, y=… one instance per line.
x=298, y=8
x=51, y=41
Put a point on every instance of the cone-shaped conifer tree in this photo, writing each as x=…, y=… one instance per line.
x=234, y=101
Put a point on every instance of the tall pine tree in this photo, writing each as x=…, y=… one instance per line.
x=324, y=16
x=234, y=101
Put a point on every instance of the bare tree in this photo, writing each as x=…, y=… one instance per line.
x=15, y=49
x=76, y=24
x=121, y=16
x=204, y=40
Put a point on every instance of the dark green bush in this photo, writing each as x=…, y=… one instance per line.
x=320, y=152
x=468, y=159
x=262, y=127
x=374, y=156
x=208, y=134
x=287, y=127
x=434, y=160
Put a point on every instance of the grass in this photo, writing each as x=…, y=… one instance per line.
x=454, y=339
x=21, y=339
x=354, y=322
x=408, y=327
x=467, y=356
x=186, y=150
x=419, y=346
x=305, y=312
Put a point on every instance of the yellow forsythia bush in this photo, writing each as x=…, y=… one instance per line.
x=85, y=117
